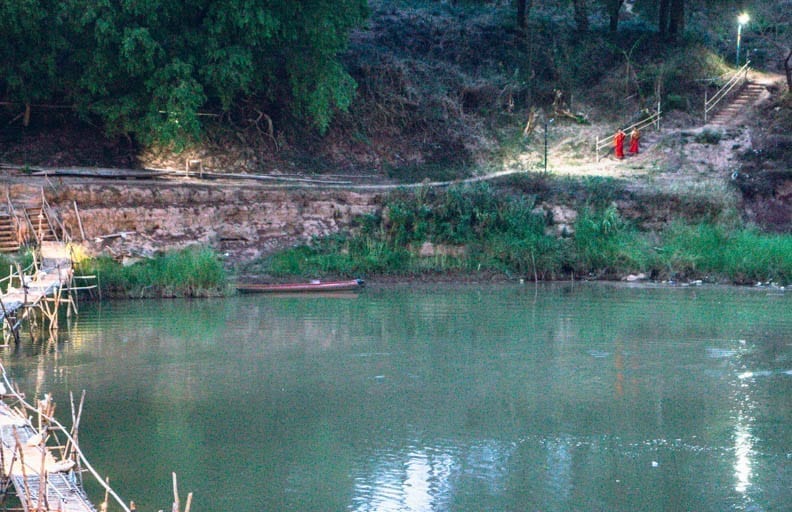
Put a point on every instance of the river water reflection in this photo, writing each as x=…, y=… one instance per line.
x=459, y=398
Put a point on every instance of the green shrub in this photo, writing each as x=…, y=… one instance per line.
x=675, y=102
x=708, y=136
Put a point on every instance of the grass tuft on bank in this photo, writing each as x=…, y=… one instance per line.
x=190, y=272
x=478, y=228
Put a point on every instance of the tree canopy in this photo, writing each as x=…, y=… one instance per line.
x=147, y=67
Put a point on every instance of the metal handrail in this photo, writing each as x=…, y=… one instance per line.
x=740, y=76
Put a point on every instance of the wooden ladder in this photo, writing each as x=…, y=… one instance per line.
x=9, y=242
x=39, y=220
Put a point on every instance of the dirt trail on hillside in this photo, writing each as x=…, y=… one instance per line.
x=683, y=150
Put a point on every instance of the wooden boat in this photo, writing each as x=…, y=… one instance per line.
x=313, y=286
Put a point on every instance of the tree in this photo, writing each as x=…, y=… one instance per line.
x=772, y=25
x=147, y=67
x=33, y=43
x=580, y=13
x=613, y=8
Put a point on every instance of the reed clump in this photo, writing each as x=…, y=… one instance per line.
x=478, y=228
x=189, y=272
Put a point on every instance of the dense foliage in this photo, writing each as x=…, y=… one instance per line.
x=148, y=68
x=433, y=88
x=482, y=229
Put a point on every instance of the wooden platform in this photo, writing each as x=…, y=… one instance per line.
x=41, y=480
x=54, y=273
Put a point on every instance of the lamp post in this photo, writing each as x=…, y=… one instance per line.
x=545, y=141
x=742, y=19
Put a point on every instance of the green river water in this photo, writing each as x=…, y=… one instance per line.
x=437, y=398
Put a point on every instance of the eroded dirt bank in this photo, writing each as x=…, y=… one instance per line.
x=138, y=219
x=245, y=221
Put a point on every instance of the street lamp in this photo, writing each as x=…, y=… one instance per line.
x=742, y=19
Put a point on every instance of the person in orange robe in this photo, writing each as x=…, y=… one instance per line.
x=635, y=136
x=618, y=144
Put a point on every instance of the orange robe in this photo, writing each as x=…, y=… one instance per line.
x=618, y=144
x=635, y=136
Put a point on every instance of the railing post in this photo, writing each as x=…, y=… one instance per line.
x=705, y=106
x=596, y=148
x=657, y=121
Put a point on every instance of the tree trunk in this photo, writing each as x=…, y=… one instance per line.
x=676, y=19
x=615, y=7
x=523, y=11
x=788, y=69
x=662, y=17
x=581, y=14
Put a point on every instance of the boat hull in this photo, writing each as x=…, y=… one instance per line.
x=319, y=286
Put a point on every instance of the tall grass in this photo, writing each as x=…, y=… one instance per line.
x=187, y=273
x=742, y=255
x=605, y=246
x=502, y=232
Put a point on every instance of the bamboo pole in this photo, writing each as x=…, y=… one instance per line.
x=5, y=480
x=8, y=481
x=14, y=331
x=175, y=494
x=79, y=221
x=103, y=507
x=72, y=440
x=42, y=497
x=25, y=483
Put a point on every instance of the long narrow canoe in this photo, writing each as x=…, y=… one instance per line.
x=313, y=286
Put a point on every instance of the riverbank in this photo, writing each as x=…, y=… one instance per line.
x=707, y=203
x=192, y=238
x=498, y=231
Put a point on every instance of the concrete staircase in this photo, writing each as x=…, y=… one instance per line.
x=747, y=96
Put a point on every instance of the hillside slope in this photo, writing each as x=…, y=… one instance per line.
x=444, y=92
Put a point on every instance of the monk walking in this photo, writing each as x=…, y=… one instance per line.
x=618, y=144
x=635, y=136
